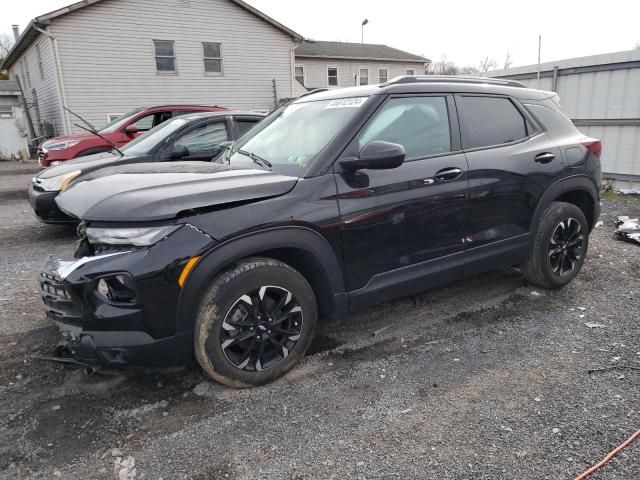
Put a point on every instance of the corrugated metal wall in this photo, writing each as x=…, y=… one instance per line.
x=601, y=94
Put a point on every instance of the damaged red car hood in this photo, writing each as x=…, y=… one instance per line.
x=148, y=192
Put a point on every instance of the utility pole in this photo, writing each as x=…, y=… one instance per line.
x=364, y=22
x=539, y=49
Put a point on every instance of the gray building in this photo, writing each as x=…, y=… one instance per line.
x=601, y=94
x=101, y=58
x=13, y=126
x=340, y=64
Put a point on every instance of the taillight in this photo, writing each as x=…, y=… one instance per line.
x=594, y=146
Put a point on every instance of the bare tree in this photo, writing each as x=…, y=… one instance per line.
x=486, y=64
x=508, y=61
x=6, y=42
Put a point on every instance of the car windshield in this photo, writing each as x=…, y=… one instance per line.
x=146, y=142
x=290, y=139
x=116, y=123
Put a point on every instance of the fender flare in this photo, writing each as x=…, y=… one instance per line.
x=222, y=255
x=569, y=184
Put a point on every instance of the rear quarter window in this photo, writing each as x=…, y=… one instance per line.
x=555, y=123
x=491, y=121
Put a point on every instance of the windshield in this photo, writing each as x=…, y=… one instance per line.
x=113, y=125
x=148, y=140
x=291, y=138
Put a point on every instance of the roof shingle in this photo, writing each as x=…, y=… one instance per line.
x=360, y=51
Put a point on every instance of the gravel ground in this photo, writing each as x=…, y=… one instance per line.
x=485, y=379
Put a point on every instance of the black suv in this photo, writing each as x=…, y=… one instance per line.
x=338, y=201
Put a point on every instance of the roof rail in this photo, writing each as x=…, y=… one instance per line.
x=451, y=79
x=311, y=92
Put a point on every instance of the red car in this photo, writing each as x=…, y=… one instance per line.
x=120, y=131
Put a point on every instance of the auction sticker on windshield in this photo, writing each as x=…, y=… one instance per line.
x=355, y=102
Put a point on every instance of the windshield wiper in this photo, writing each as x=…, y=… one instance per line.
x=256, y=159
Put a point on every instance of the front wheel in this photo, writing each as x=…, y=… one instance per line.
x=559, y=246
x=255, y=323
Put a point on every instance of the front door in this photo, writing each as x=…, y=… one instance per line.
x=398, y=225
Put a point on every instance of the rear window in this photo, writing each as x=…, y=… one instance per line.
x=491, y=121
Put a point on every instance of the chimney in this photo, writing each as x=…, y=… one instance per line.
x=16, y=31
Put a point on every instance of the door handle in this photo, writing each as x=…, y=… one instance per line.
x=448, y=174
x=545, y=157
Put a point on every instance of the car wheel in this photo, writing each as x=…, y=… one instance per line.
x=559, y=247
x=255, y=322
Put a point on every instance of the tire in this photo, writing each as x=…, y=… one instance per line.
x=559, y=246
x=242, y=311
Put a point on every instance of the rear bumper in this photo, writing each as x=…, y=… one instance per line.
x=45, y=207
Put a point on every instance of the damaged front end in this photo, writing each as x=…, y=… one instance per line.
x=116, y=303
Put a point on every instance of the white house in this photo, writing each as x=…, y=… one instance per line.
x=340, y=64
x=104, y=57
x=13, y=127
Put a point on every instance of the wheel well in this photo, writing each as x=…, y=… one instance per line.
x=582, y=200
x=311, y=269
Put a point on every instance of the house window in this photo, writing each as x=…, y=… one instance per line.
x=299, y=73
x=165, y=55
x=332, y=76
x=40, y=64
x=383, y=75
x=364, y=76
x=6, y=111
x=411, y=72
x=212, y=57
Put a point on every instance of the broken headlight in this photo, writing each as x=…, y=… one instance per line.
x=141, y=237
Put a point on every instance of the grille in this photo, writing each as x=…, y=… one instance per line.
x=58, y=304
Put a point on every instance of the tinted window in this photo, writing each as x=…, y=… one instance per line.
x=491, y=121
x=245, y=125
x=419, y=124
x=204, y=139
x=556, y=124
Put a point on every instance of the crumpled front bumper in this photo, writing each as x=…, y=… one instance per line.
x=98, y=332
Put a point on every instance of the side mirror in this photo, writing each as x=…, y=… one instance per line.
x=131, y=129
x=179, y=152
x=376, y=155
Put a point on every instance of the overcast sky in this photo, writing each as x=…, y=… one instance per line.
x=464, y=31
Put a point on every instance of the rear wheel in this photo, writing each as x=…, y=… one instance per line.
x=559, y=247
x=255, y=323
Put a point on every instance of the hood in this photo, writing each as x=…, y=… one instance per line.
x=87, y=163
x=148, y=192
x=76, y=137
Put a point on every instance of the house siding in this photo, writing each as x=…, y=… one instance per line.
x=315, y=70
x=108, y=63
x=43, y=92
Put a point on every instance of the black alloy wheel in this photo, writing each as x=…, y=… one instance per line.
x=565, y=247
x=255, y=322
x=261, y=328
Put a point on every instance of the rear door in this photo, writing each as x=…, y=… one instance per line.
x=397, y=222
x=511, y=163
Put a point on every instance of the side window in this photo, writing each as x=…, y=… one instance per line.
x=332, y=76
x=490, y=121
x=145, y=123
x=203, y=139
x=245, y=125
x=419, y=124
x=364, y=76
x=161, y=117
x=165, y=56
